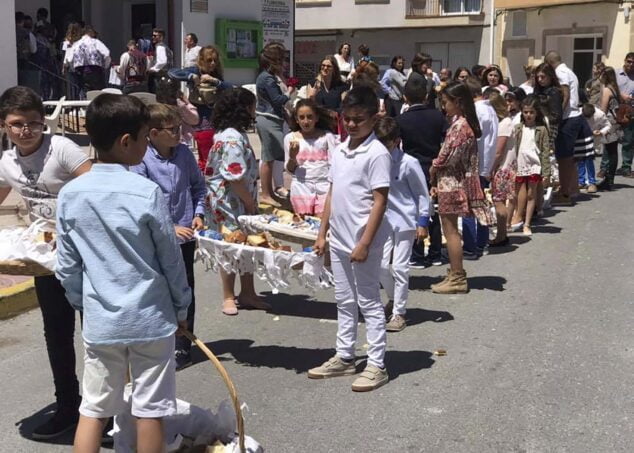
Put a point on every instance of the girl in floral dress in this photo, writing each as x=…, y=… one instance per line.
x=455, y=181
x=232, y=180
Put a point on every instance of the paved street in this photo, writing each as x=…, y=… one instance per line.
x=540, y=356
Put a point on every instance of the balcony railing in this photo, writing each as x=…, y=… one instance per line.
x=437, y=8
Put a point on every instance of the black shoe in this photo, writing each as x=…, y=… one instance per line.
x=470, y=256
x=388, y=309
x=435, y=260
x=418, y=264
x=183, y=359
x=503, y=243
x=604, y=185
x=62, y=421
x=106, y=439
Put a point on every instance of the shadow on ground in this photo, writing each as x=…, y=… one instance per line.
x=300, y=360
x=28, y=424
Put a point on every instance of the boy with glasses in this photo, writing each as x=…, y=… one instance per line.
x=37, y=167
x=172, y=166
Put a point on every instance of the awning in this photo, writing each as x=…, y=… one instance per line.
x=518, y=4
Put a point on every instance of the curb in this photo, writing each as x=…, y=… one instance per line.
x=17, y=299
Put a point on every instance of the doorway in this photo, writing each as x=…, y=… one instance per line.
x=142, y=20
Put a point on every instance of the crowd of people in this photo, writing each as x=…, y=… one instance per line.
x=391, y=163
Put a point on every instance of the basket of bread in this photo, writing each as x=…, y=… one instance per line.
x=27, y=251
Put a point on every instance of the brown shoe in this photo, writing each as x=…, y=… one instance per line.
x=455, y=284
x=442, y=282
x=396, y=323
x=370, y=379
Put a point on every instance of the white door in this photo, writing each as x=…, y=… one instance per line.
x=516, y=59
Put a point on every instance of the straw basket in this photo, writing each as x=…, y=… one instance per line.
x=228, y=382
x=20, y=267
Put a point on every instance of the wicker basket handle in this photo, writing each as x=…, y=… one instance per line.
x=228, y=382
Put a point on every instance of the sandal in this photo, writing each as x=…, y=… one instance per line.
x=229, y=309
x=270, y=202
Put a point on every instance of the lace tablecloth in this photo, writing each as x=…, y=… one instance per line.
x=275, y=267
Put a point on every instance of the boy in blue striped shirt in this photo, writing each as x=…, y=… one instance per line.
x=119, y=260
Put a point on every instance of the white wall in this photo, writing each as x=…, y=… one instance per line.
x=346, y=14
x=8, y=57
x=203, y=24
x=29, y=7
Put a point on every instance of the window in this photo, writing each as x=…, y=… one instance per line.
x=519, y=23
x=450, y=7
x=587, y=50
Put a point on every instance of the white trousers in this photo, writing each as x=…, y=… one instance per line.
x=357, y=288
x=398, y=247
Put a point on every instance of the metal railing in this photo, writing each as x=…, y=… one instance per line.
x=438, y=8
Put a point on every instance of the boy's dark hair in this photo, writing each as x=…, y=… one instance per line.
x=109, y=116
x=232, y=109
x=159, y=31
x=477, y=70
x=20, y=99
x=387, y=130
x=517, y=93
x=42, y=12
x=588, y=110
x=362, y=97
x=416, y=90
x=19, y=17
x=364, y=50
x=629, y=55
x=474, y=86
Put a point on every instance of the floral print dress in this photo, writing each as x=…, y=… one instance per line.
x=458, y=181
x=231, y=159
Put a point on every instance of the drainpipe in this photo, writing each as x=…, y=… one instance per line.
x=492, y=32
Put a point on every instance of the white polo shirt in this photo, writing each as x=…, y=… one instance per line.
x=568, y=78
x=354, y=174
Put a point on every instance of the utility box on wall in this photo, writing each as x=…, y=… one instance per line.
x=240, y=42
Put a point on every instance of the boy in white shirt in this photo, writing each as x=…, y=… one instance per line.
x=408, y=215
x=354, y=210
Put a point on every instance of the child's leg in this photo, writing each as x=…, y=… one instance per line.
x=369, y=300
x=400, y=269
x=153, y=374
x=510, y=213
x=501, y=214
x=89, y=434
x=581, y=172
x=385, y=277
x=589, y=164
x=539, y=196
x=520, y=196
x=454, y=246
x=248, y=298
x=346, y=297
x=150, y=436
x=188, y=249
x=228, y=293
x=530, y=203
x=105, y=370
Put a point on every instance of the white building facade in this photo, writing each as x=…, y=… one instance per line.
x=454, y=32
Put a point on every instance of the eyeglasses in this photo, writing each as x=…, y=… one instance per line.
x=174, y=129
x=34, y=126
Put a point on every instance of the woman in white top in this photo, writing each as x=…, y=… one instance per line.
x=345, y=61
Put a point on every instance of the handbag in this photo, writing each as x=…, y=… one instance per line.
x=203, y=94
x=623, y=114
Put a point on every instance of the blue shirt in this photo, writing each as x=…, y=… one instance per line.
x=118, y=257
x=180, y=180
x=408, y=199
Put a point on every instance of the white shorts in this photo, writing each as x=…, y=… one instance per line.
x=152, y=372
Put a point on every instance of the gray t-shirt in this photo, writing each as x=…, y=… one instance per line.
x=40, y=176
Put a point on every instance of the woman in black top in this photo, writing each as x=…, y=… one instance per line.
x=328, y=88
x=548, y=90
